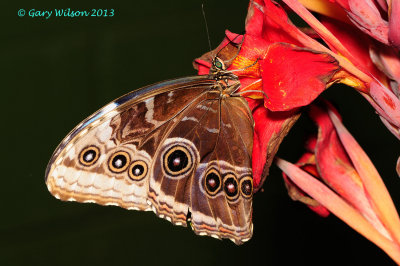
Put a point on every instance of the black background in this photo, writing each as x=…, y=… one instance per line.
x=56, y=72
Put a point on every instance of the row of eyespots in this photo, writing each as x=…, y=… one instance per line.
x=117, y=163
x=177, y=161
x=213, y=184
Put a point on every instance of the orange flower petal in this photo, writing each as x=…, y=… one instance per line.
x=339, y=207
x=380, y=198
x=336, y=169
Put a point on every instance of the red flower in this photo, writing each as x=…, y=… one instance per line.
x=369, y=55
x=274, y=61
x=281, y=69
x=344, y=181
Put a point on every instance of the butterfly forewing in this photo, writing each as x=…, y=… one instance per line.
x=174, y=147
x=116, y=129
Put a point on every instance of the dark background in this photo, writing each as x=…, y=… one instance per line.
x=56, y=72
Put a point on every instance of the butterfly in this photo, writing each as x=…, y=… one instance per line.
x=180, y=148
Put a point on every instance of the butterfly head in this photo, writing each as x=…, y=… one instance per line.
x=225, y=77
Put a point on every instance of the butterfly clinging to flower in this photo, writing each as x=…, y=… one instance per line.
x=181, y=148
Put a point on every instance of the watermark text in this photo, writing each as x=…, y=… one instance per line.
x=66, y=12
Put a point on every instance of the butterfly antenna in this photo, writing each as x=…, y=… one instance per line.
x=205, y=21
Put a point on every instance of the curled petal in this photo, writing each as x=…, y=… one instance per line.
x=380, y=199
x=366, y=16
x=338, y=206
x=336, y=169
x=352, y=188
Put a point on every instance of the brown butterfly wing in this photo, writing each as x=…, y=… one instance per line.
x=216, y=135
x=225, y=209
x=119, y=126
x=124, y=155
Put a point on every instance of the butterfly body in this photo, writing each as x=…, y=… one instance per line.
x=181, y=148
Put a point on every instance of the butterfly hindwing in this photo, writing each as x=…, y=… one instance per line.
x=174, y=147
x=220, y=209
